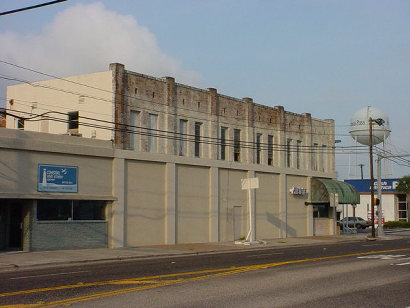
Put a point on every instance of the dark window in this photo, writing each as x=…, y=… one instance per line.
x=321, y=211
x=223, y=142
x=258, y=148
x=197, y=138
x=298, y=143
x=288, y=153
x=20, y=123
x=70, y=210
x=73, y=120
x=236, y=144
x=270, y=150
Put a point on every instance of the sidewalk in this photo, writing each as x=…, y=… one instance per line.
x=14, y=260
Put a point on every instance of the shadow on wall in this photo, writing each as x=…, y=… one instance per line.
x=277, y=223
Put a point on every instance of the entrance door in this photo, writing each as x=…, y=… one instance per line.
x=16, y=225
x=237, y=222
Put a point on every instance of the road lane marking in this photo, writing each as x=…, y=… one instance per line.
x=205, y=274
x=367, y=245
x=45, y=275
x=266, y=254
x=407, y=263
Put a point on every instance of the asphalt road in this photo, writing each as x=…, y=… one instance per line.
x=363, y=274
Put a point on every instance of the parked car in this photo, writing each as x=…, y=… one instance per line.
x=357, y=222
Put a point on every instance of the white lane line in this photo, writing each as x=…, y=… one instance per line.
x=372, y=245
x=407, y=263
x=266, y=254
x=56, y=274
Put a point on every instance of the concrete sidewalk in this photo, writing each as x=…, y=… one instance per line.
x=15, y=260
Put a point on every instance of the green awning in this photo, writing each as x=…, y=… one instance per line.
x=322, y=188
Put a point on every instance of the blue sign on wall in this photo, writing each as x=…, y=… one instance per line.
x=364, y=185
x=53, y=178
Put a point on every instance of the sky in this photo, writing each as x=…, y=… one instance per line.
x=328, y=58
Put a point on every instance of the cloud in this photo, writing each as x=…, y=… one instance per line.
x=86, y=38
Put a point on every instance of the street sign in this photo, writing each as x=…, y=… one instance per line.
x=250, y=183
x=55, y=178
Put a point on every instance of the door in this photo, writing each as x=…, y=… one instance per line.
x=15, y=225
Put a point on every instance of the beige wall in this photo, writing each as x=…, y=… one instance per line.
x=297, y=211
x=268, y=222
x=145, y=198
x=230, y=195
x=192, y=199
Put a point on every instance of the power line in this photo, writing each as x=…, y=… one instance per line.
x=31, y=7
x=130, y=129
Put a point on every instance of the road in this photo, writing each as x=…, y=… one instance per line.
x=360, y=274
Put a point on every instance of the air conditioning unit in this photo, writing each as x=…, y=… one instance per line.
x=74, y=133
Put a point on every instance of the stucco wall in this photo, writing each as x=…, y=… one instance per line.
x=230, y=195
x=145, y=203
x=268, y=222
x=297, y=212
x=192, y=196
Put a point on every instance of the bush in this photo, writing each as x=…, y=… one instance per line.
x=396, y=224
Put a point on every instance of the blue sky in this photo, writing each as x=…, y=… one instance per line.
x=328, y=58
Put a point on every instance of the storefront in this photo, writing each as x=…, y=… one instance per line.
x=327, y=194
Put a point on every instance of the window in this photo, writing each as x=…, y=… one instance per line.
x=322, y=158
x=402, y=207
x=198, y=139
x=152, y=132
x=258, y=148
x=70, y=210
x=224, y=131
x=314, y=156
x=20, y=123
x=288, y=153
x=134, y=129
x=182, y=137
x=270, y=150
x=73, y=118
x=321, y=211
x=298, y=144
x=236, y=144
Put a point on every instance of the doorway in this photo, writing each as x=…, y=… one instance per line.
x=11, y=225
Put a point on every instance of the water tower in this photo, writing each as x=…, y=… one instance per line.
x=359, y=129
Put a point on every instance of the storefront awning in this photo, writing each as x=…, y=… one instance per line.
x=322, y=188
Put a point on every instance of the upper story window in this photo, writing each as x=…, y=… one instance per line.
x=288, y=153
x=298, y=146
x=237, y=145
x=258, y=148
x=270, y=150
x=182, y=137
x=224, y=131
x=20, y=123
x=73, y=119
x=135, y=123
x=198, y=139
x=152, y=132
x=314, y=156
x=323, y=158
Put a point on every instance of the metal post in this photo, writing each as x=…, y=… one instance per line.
x=379, y=195
x=371, y=174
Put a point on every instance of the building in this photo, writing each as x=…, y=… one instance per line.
x=161, y=163
x=395, y=205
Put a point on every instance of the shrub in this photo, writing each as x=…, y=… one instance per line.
x=396, y=224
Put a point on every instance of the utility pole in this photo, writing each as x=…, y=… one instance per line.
x=371, y=174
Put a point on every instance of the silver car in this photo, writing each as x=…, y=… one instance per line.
x=357, y=222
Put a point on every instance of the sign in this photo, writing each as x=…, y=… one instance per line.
x=54, y=178
x=250, y=183
x=364, y=185
x=298, y=191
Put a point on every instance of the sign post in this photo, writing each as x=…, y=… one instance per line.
x=249, y=184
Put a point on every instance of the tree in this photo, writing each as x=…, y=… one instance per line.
x=403, y=185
